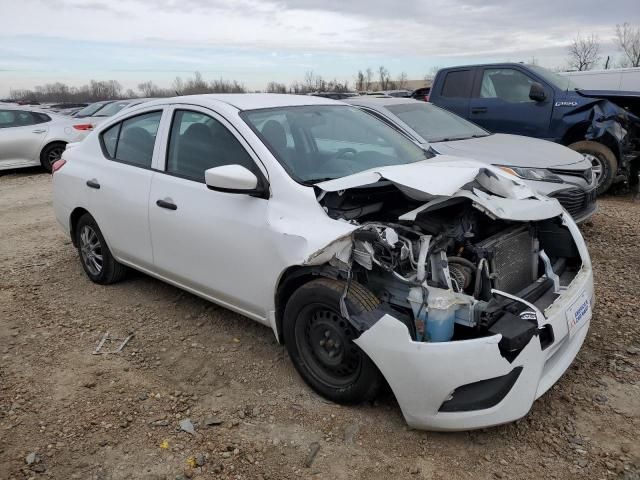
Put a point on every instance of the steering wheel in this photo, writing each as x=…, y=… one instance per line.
x=344, y=151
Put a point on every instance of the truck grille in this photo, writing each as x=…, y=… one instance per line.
x=575, y=200
x=512, y=258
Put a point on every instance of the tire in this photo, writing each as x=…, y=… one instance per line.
x=603, y=160
x=50, y=154
x=96, y=258
x=319, y=341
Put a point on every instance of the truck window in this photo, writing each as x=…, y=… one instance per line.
x=506, y=84
x=457, y=84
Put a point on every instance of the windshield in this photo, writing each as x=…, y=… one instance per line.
x=435, y=124
x=90, y=110
x=560, y=81
x=112, y=109
x=323, y=142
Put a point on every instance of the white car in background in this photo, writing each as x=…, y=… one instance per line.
x=467, y=291
x=110, y=108
x=31, y=137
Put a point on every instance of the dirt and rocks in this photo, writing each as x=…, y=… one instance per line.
x=200, y=392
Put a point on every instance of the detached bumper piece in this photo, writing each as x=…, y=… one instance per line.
x=482, y=394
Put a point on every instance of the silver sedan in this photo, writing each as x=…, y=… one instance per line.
x=31, y=137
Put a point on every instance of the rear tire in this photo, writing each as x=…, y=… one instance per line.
x=96, y=258
x=604, y=162
x=320, y=341
x=51, y=154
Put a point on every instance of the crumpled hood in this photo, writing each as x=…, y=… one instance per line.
x=514, y=150
x=448, y=176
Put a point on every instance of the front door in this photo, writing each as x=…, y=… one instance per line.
x=21, y=136
x=501, y=104
x=214, y=243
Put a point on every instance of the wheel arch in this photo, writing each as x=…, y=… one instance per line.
x=578, y=132
x=73, y=222
x=290, y=280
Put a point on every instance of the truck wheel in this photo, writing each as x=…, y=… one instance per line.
x=320, y=341
x=605, y=164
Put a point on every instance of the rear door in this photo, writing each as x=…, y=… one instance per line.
x=454, y=92
x=22, y=134
x=120, y=186
x=501, y=103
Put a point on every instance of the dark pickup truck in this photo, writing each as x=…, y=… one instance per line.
x=530, y=100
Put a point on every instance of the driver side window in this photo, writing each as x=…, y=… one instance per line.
x=506, y=84
x=199, y=142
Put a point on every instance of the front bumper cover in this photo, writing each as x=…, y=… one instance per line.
x=424, y=375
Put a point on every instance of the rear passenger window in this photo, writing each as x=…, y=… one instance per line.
x=199, y=142
x=457, y=84
x=110, y=139
x=132, y=140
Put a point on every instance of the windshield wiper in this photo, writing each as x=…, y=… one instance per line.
x=313, y=181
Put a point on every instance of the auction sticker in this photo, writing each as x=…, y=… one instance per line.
x=579, y=313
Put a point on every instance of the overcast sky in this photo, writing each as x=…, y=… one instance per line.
x=73, y=41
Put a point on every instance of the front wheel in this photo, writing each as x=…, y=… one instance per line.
x=320, y=341
x=603, y=161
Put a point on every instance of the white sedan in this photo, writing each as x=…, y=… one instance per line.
x=31, y=137
x=464, y=289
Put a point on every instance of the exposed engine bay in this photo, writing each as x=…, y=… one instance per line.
x=453, y=272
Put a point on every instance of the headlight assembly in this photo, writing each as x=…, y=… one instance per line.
x=537, y=174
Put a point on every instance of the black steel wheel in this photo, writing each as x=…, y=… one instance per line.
x=320, y=340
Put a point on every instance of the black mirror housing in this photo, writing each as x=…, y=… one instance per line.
x=537, y=93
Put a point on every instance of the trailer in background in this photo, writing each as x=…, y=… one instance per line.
x=624, y=79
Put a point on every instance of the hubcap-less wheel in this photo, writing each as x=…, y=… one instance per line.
x=54, y=154
x=597, y=165
x=91, y=250
x=323, y=339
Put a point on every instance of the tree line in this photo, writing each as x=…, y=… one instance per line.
x=584, y=51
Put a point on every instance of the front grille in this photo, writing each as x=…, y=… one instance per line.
x=586, y=174
x=512, y=258
x=575, y=200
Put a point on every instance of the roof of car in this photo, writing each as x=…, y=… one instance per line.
x=252, y=101
x=379, y=101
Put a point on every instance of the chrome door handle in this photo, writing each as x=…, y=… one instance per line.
x=39, y=130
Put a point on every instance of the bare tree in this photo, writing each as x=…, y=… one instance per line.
x=360, y=81
x=584, y=53
x=401, y=82
x=275, y=87
x=628, y=39
x=369, y=81
x=383, y=78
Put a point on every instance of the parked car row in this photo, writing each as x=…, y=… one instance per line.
x=32, y=136
x=384, y=255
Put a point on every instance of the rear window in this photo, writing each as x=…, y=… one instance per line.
x=457, y=84
x=132, y=140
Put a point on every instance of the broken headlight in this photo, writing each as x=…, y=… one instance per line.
x=537, y=174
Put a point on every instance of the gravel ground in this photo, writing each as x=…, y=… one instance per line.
x=200, y=392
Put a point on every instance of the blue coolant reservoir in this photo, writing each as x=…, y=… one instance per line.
x=435, y=322
x=440, y=321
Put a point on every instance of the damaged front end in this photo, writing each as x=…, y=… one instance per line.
x=478, y=292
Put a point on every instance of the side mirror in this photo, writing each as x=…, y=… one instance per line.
x=232, y=179
x=537, y=93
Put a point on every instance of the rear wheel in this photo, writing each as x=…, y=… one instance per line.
x=603, y=161
x=96, y=258
x=320, y=341
x=51, y=154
